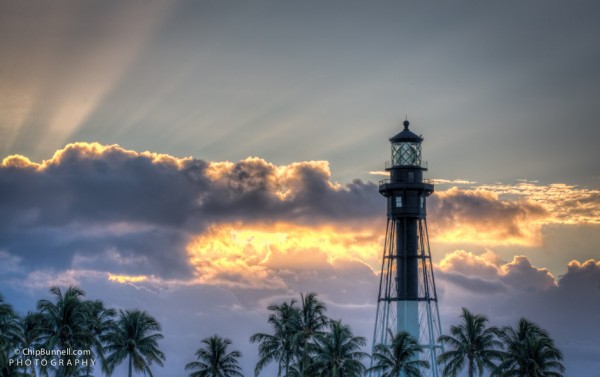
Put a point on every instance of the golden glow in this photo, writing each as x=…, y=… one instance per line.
x=18, y=161
x=454, y=181
x=566, y=204
x=481, y=217
x=590, y=264
x=247, y=254
x=127, y=278
x=91, y=151
x=382, y=173
x=528, y=234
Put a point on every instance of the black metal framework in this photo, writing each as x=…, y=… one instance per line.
x=407, y=298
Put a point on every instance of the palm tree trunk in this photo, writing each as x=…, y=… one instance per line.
x=130, y=366
x=470, y=368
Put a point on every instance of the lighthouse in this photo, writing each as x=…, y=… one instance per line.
x=407, y=299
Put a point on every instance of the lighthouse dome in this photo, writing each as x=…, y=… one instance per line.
x=406, y=135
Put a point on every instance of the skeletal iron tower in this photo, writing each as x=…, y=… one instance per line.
x=407, y=298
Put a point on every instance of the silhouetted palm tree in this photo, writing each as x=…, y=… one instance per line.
x=337, y=353
x=9, y=333
x=530, y=353
x=99, y=322
x=65, y=327
x=32, y=327
x=284, y=320
x=214, y=360
x=312, y=321
x=473, y=343
x=400, y=356
x=135, y=336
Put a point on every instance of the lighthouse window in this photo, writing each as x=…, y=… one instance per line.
x=398, y=201
x=421, y=202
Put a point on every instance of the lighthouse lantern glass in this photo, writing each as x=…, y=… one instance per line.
x=406, y=153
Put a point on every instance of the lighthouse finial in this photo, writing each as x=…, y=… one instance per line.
x=406, y=123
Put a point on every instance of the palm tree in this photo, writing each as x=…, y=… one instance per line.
x=284, y=320
x=338, y=352
x=214, y=360
x=134, y=336
x=400, y=356
x=32, y=327
x=99, y=322
x=530, y=352
x=312, y=321
x=9, y=332
x=65, y=326
x=471, y=342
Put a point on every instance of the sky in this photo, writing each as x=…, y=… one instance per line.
x=202, y=160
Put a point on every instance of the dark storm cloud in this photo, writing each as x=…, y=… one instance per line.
x=87, y=183
x=134, y=212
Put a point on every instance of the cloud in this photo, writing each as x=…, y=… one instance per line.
x=480, y=216
x=566, y=204
x=9, y=263
x=257, y=256
x=521, y=274
x=486, y=272
x=135, y=213
x=454, y=181
x=461, y=261
x=509, y=214
x=383, y=173
x=506, y=291
x=127, y=213
x=300, y=192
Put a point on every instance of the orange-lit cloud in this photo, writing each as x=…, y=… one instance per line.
x=156, y=217
x=454, y=181
x=18, y=162
x=589, y=265
x=83, y=151
x=481, y=217
x=126, y=278
x=565, y=204
x=134, y=214
x=237, y=254
x=503, y=214
x=382, y=173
